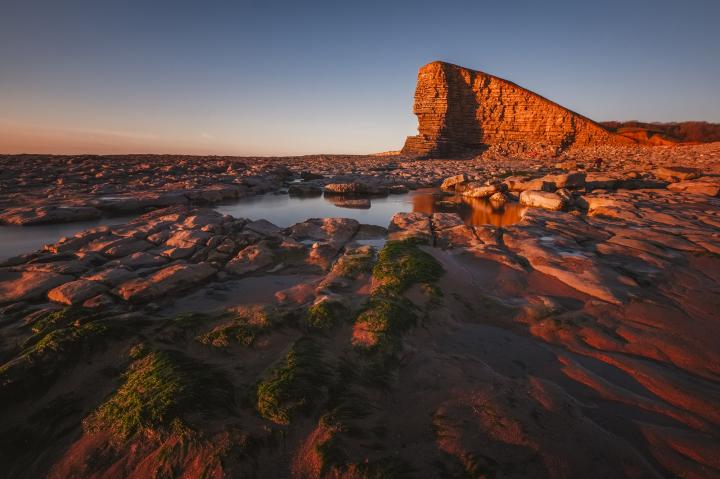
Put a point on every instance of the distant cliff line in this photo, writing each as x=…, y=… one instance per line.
x=683, y=131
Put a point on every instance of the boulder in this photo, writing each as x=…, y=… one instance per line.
x=250, y=259
x=473, y=190
x=355, y=188
x=542, y=199
x=451, y=182
x=441, y=221
x=188, y=238
x=460, y=235
x=677, y=173
x=76, y=292
x=567, y=180
x=524, y=184
x=499, y=198
x=699, y=187
x=112, y=276
x=125, y=248
x=141, y=260
x=74, y=243
x=352, y=203
x=28, y=285
x=336, y=231
x=410, y=225
x=169, y=280
x=601, y=181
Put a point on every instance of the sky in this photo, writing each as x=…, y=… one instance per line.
x=293, y=77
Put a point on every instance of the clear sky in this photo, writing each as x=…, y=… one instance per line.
x=293, y=77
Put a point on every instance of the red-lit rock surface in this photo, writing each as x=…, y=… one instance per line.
x=571, y=343
x=461, y=110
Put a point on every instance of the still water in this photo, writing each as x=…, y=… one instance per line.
x=284, y=210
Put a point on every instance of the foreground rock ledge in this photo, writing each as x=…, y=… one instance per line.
x=540, y=347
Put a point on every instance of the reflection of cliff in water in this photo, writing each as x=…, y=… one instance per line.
x=473, y=211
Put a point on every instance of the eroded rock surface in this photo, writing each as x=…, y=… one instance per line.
x=461, y=110
x=571, y=343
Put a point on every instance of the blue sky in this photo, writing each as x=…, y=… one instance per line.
x=277, y=78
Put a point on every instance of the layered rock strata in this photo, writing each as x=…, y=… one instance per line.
x=461, y=110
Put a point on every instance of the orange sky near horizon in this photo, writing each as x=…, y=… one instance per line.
x=18, y=138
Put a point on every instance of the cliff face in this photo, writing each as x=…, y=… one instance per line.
x=461, y=110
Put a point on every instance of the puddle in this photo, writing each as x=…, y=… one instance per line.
x=473, y=211
x=284, y=210
x=17, y=240
x=216, y=297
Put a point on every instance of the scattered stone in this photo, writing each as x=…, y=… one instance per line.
x=27, y=285
x=76, y=292
x=410, y=225
x=677, y=173
x=542, y=199
x=567, y=180
x=709, y=187
x=451, y=182
x=473, y=190
x=250, y=259
x=166, y=281
x=352, y=203
x=499, y=198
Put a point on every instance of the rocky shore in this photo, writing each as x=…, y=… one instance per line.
x=578, y=342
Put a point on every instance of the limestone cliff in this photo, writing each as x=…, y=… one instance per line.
x=461, y=110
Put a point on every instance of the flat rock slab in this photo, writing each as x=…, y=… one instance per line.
x=336, y=231
x=166, y=281
x=677, y=173
x=700, y=186
x=250, y=259
x=26, y=285
x=410, y=225
x=542, y=199
x=76, y=292
x=48, y=214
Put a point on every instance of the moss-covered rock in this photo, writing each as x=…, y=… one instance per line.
x=381, y=322
x=324, y=315
x=294, y=385
x=354, y=264
x=401, y=264
x=43, y=359
x=159, y=388
x=243, y=325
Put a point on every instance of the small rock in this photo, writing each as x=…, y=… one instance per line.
x=451, y=182
x=542, y=199
x=76, y=292
x=677, y=173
